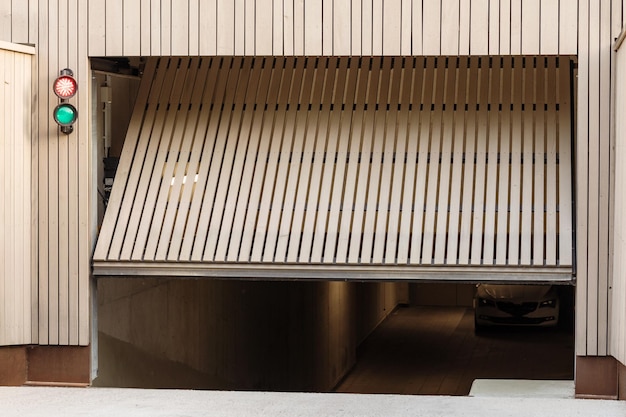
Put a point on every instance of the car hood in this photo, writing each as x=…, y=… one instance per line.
x=514, y=293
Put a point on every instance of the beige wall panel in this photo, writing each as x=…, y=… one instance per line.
x=16, y=64
x=618, y=291
x=247, y=27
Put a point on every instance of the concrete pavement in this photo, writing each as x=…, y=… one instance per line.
x=87, y=402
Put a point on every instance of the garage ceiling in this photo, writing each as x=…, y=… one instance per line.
x=346, y=168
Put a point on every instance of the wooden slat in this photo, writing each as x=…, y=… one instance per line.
x=582, y=171
x=431, y=38
x=114, y=11
x=367, y=24
x=207, y=27
x=549, y=31
x=225, y=27
x=452, y=249
x=464, y=27
x=504, y=169
x=569, y=32
x=132, y=33
x=155, y=27
x=530, y=26
x=494, y=27
x=450, y=31
x=491, y=190
x=479, y=27
x=417, y=28
x=97, y=27
x=238, y=29
x=505, y=27
x=434, y=152
x=551, y=167
x=593, y=214
x=445, y=163
x=478, y=225
x=312, y=28
x=527, y=165
x=516, y=159
x=181, y=25
x=391, y=27
x=264, y=23
x=52, y=327
x=604, y=181
x=278, y=28
x=468, y=171
x=539, y=221
x=426, y=101
x=515, y=26
x=63, y=192
x=565, y=167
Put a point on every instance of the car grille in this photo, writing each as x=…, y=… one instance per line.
x=517, y=310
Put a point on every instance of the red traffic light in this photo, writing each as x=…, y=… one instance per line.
x=65, y=85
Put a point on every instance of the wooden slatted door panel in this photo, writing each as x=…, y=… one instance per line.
x=15, y=188
x=416, y=162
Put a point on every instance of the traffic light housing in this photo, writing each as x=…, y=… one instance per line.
x=65, y=114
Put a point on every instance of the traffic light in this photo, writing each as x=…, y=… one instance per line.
x=65, y=114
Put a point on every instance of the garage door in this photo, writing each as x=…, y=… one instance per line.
x=346, y=168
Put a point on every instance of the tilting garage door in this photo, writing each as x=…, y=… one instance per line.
x=346, y=168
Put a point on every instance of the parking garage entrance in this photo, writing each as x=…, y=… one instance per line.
x=319, y=191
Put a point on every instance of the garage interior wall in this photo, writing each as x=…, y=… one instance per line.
x=233, y=334
x=16, y=303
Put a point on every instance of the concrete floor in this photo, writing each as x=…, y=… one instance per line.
x=435, y=351
x=106, y=402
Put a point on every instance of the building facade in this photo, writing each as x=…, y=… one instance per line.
x=52, y=222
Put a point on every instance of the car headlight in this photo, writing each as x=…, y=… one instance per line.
x=484, y=302
x=548, y=303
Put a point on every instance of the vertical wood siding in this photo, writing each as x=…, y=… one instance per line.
x=61, y=172
x=326, y=27
x=618, y=317
x=600, y=23
x=15, y=191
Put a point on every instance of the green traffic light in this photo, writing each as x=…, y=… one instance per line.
x=65, y=114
